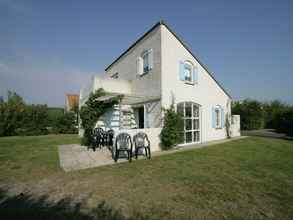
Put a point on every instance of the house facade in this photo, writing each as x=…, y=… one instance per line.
x=159, y=70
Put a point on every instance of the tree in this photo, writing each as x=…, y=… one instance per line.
x=35, y=120
x=92, y=111
x=251, y=114
x=172, y=131
x=11, y=114
x=272, y=111
x=65, y=124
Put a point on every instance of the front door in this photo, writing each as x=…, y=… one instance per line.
x=141, y=117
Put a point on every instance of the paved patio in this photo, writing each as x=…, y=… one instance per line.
x=76, y=157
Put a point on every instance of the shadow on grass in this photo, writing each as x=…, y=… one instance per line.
x=25, y=206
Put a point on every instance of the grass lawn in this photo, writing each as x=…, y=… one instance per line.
x=250, y=178
x=24, y=158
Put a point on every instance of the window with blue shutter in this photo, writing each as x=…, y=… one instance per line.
x=181, y=71
x=139, y=70
x=218, y=117
x=147, y=60
x=188, y=72
x=223, y=117
x=213, y=117
x=151, y=59
x=195, y=74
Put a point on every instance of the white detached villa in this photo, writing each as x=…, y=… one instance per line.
x=154, y=72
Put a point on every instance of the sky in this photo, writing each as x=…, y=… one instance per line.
x=51, y=48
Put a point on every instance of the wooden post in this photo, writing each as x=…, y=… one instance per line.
x=120, y=114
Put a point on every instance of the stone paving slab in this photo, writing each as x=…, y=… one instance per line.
x=76, y=157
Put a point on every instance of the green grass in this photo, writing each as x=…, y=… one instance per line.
x=23, y=158
x=250, y=178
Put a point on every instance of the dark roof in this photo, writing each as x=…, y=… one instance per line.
x=184, y=45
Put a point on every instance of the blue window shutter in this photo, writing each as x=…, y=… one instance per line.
x=150, y=59
x=223, y=117
x=181, y=71
x=138, y=66
x=195, y=74
x=213, y=118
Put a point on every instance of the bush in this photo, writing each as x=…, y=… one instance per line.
x=18, y=118
x=11, y=114
x=251, y=114
x=92, y=111
x=35, y=120
x=172, y=131
x=257, y=115
x=283, y=121
x=66, y=124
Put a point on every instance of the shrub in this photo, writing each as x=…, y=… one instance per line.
x=35, y=120
x=251, y=114
x=11, y=114
x=66, y=124
x=172, y=131
x=283, y=121
x=92, y=111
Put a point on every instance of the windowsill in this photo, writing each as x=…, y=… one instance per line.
x=144, y=73
x=218, y=128
x=189, y=83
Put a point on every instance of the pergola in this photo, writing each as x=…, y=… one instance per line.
x=128, y=99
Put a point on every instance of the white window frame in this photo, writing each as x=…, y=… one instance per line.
x=146, y=53
x=192, y=118
x=189, y=65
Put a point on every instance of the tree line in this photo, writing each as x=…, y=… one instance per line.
x=19, y=118
x=258, y=115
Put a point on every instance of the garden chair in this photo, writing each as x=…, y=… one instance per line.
x=97, y=138
x=123, y=144
x=110, y=136
x=141, y=142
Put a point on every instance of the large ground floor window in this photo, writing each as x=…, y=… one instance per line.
x=190, y=113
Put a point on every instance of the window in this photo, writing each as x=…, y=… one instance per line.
x=188, y=72
x=218, y=117
x=115, y=76
x=190, y=114
x=147, y=60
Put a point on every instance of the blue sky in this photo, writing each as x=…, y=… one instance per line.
x=50, y=48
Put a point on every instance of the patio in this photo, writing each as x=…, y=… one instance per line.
x=76, y=157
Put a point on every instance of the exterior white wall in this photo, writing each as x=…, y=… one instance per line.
x=112, y=85
x=206, y=93
x=150, y=83
x=235, y=126
x=152, y=133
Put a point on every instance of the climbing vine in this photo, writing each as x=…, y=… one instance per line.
x=92, y=111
